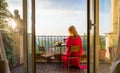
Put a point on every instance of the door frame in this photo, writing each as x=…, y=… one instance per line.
x=25, y=45
x=96, y=50
x=33, y=37
x=96, y=36
x=95, y=47
x=25, y=36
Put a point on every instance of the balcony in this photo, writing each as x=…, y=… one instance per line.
x=54, y=66
x=48, y=42
x=57, y=68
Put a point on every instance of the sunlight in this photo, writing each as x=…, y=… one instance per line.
x=12, y=23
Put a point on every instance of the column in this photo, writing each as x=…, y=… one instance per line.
x=21, y=49
x=107, y=42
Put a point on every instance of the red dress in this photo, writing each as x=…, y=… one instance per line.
x=72, y=42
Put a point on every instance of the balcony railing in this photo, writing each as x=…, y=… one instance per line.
x=49, y=41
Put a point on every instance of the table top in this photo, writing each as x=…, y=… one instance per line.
x=59, y=45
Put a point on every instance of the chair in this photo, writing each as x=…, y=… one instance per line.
x=75, y=49
x=44, y=54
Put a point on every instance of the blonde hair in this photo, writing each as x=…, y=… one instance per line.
x=73, y=30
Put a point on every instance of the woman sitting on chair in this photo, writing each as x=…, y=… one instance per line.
x=74, y=39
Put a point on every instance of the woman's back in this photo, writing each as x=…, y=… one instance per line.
x=73, y=42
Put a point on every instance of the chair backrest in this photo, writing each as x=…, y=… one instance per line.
x=41, y=49
x=74, y=49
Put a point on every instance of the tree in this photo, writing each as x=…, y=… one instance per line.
x=7, y=31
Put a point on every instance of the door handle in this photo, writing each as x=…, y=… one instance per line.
x=90, y=26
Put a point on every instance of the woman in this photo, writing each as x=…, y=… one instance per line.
x=73, y=40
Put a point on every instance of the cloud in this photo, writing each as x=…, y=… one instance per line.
x=53, y=21
x=62, y=4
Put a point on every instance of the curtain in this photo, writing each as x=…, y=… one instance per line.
x=115, y=68
x=3, y=55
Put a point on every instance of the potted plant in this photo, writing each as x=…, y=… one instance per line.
x=102, y=48
x=113, y=46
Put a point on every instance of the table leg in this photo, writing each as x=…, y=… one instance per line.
x=60, y=54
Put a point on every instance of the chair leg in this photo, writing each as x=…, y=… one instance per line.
x=68, y=68
x=49, y=59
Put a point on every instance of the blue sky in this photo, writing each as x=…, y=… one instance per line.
x=53, y=17
x=104, y=21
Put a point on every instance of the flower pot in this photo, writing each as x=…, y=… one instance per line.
x=102, y=54
x=112, y=51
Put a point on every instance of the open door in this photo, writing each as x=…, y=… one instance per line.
x=93, y=36
x=92, y=32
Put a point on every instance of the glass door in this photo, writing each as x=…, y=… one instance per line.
x=52, y=19
x=92, y=32
x=93, y=35
x=28, y=20
x=29, y=36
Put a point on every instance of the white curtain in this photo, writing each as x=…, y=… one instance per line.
x=115, y=68
x=3, y=55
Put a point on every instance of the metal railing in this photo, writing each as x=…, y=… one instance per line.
x=49, y=41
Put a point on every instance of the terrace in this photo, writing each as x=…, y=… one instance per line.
x=54, y=65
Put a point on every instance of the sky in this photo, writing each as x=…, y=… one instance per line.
x=53, y=17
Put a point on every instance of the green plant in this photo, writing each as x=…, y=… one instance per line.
x=7, y=32
x=113, y=41
x=102, y=42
